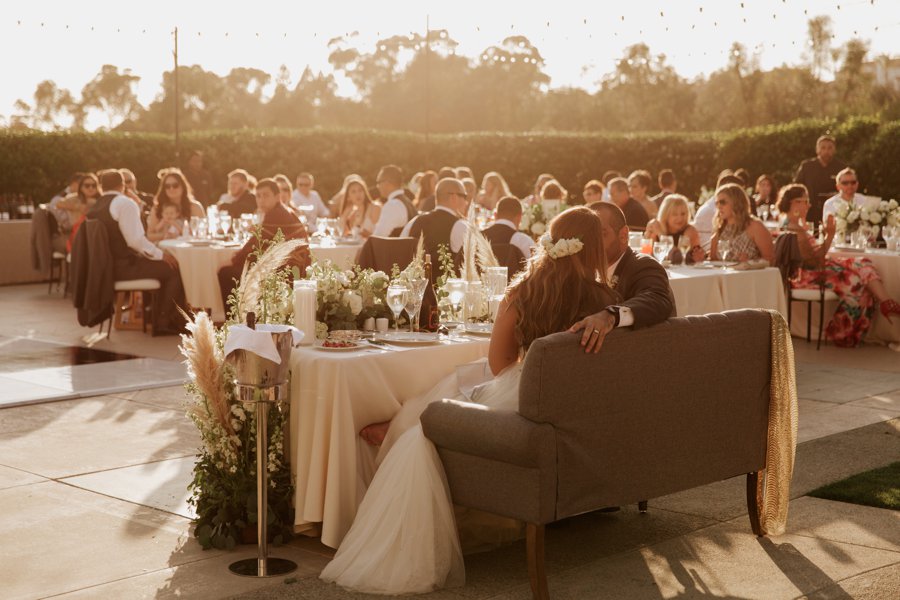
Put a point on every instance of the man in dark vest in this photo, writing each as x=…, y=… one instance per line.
x=397, y=210
x=134, y=256
x=818, y=175
x=275, y=218
x=505, y=228
x=444, y=224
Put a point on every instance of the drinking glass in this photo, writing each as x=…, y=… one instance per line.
x=414, y=302
x=396, y=301
x=473, y=299
x=634, y=240
x=195, y=227
x=763, y=210
x=203, y=229
x=646, y=245
x=456, y=292
x=724, y=249
x=225, y=222
x=662, y=247
x=321, y=227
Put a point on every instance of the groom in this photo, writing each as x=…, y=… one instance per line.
x=638, y=278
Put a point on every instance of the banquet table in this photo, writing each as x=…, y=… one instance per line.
x=336, y=394
x=699, y=290
x=199, y=265
x=881, y=332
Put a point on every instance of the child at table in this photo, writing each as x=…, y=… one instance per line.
x=169, y=226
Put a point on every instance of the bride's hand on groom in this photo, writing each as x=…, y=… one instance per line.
x=595, y=328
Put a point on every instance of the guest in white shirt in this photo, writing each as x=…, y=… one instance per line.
x=444, y=225
x=136, y=257
x=308, y=201
x=847, y=184
x=397, y=210
x=505, y=228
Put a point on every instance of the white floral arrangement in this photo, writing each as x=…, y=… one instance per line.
x=874, y=212
x=346, y=298
x=562, y=247
x=535, y=219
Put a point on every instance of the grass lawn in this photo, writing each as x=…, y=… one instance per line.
x=878, y=487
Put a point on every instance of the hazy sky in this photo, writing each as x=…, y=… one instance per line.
x=69, y=41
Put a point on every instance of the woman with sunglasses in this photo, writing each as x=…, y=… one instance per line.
x=77, y=204
x=173, y=189
x=855, y=280
x=747, y=237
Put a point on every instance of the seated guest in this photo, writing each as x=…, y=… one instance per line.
x=535, y=197
x=63, y=219
x=552, y=197
x=765, y=191
x=854, y=280
x=505, y=228
x=168, y=222
x=199, y=178
x=397, y=210
x=424, y=200
x=444, y=224
x=667, y=185
x=77, y=205
x=471, y=192
x=275, y=218
x=607, y=177
x=134, y=256
x=673, y=220
x=593, y=192
x=703, y=220
x=635, y=215
x=638, y=279
x=747, y=237
x=285, y=195
x=131, y=184
x=307, y=200
x=239, y=199
x=744, y=176
x=493, y=187
x=173, y=189
x=847, y=183
x=463, y=172
x=639, y=186
x=357, y=213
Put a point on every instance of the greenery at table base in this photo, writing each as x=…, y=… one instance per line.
x=223, y=489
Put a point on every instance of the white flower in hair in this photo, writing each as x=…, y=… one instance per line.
x=563, y=247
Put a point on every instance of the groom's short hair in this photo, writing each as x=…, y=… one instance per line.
x=615, y=214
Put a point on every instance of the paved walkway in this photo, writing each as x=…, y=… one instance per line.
x=92, y=501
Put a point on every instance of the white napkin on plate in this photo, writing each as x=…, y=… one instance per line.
x=259, y=341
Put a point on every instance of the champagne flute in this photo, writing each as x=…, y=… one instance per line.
x=225, y=222
x=417, y=292
x=396, y=300
x=724, y=249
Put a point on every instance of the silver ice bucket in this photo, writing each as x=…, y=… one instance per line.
x=253, y=370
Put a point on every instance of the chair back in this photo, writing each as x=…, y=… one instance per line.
x=787, y=256
x=382, y=253
x=652, y=413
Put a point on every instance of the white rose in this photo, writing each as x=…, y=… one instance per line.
x=884, y=206
x=342, y=279
x=353, y=301
x=538, y=228
x=893, y=204
x=852, y=216
x=875, y=217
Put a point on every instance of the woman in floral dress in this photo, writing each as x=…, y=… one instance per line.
x=854, y=280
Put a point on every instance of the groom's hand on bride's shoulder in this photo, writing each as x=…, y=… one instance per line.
x=595, y=329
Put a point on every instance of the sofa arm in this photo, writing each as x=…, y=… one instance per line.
x=473, y=429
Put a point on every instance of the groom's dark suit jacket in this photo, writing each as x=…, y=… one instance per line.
x=644, y=285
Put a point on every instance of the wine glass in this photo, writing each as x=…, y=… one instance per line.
x=763, y=210
x=724, y=249
x=456, y=292
x=203, y=229
x=473, y=299
x=662, y=247
x=396, y=300
x=225, y=222
x=195, y=227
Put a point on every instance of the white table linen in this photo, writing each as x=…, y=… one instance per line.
x=200, y=265
x=699, y=291
x=882, y=332
x=336, y=394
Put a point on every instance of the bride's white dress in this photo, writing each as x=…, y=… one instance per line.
x=404, y=539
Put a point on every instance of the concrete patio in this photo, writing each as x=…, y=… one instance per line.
x=93, y=501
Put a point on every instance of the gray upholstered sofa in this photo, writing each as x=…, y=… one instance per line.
x=658, y=410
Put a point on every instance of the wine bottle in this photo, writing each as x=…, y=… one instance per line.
x=429, y=319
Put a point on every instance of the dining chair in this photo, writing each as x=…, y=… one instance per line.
x=382, y=253
x=788, y=260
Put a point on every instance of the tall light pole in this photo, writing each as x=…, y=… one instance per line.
x=427, y=89
x=177, y=102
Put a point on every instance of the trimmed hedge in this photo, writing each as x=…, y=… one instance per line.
x=39, y=163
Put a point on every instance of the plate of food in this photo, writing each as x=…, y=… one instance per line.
x=409, y=338
x=332, y=345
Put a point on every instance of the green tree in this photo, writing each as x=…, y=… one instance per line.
x=112, y=93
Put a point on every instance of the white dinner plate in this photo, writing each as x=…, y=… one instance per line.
x=715, y=263
x=848, y=249
x=409, y=338
x=479, y=329
x=355, y=346
x=201, y=242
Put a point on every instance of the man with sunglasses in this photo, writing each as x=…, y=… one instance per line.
x=847, y=183
x=818, y=175
x=444, y=224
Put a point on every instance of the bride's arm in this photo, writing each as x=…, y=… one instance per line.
x=504, y=349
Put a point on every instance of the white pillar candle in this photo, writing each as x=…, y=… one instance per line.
x=305, y=309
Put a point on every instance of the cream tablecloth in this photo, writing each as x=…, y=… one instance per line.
x=333, y=396
x=888, y=265
x=199, y=266
x=700, y=291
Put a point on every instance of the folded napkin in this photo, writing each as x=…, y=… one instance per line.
x=259, y=341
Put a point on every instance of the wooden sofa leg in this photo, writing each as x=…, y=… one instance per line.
x=642, y=506
x=754, y=501
x=534, y=548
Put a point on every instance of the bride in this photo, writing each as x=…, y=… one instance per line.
x=404, y=538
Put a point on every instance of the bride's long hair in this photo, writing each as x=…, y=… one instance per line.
x=551, y=294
